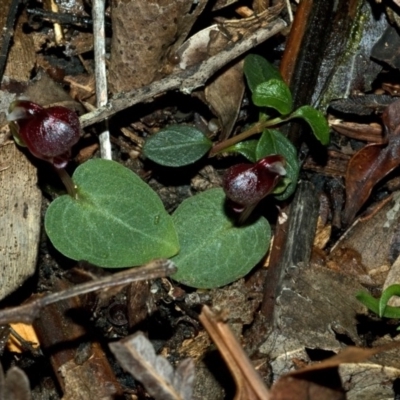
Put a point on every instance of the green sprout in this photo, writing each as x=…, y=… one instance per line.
x=379, y=306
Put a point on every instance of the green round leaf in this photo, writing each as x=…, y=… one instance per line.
x=273, y=142
x=258, y=70
x=316, y=120
x=176, y=146
x=117, y=220
x=214, y=251
x=274, y=94
x=246, y=149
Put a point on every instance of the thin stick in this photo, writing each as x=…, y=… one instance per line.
x=237, y=360
x=187, y=80
x=58, y=31
x=27, y=313
x=98, y=9
x=289, y=10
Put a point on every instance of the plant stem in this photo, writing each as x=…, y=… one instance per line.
x=256, y=128
x=68, y=182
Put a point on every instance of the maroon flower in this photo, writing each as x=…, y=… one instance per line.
x=246, y=184
x=49, y=133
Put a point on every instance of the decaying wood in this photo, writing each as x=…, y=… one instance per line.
x=20, y=204
x=185, y=81
x=300, y=232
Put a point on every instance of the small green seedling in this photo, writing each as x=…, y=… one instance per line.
x=379, y=306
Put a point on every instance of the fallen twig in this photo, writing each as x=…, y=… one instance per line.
x=187, y=80
x=98, y=8
x=28, y=312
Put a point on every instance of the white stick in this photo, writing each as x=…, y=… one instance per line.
x=98, y=10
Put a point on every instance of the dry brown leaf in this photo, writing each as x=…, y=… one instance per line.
x=224, y=94
x=368, y=132
x=136, y=355
x=322, y=380
x=15, y=385
x=373, y=238
x=371, y=164
x=144, y=34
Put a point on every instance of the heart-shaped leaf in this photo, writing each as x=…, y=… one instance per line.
x=273, y=142
x=214, y=251
x=258, y=70
x=117, y=220
x=176, y=146
x=316, y=120
x=274, y=94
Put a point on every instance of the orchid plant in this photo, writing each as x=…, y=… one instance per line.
x=112, y=218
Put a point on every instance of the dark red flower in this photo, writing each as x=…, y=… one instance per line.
x=49, y=133
x=246, y=184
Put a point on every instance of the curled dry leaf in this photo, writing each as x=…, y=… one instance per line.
x=372, y=163
x=137, y=356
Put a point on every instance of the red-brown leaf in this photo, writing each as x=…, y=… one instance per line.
x=372, y=163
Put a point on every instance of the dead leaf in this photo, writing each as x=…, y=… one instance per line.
x=224, y=94
x=367, y=132
x=374, y=237
x=323, y=385
x=324, y=380
x=15, y=385
x=144, y=34
x=137, y=356
x=371, y=164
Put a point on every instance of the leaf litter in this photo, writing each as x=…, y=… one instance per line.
x=322, y=326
